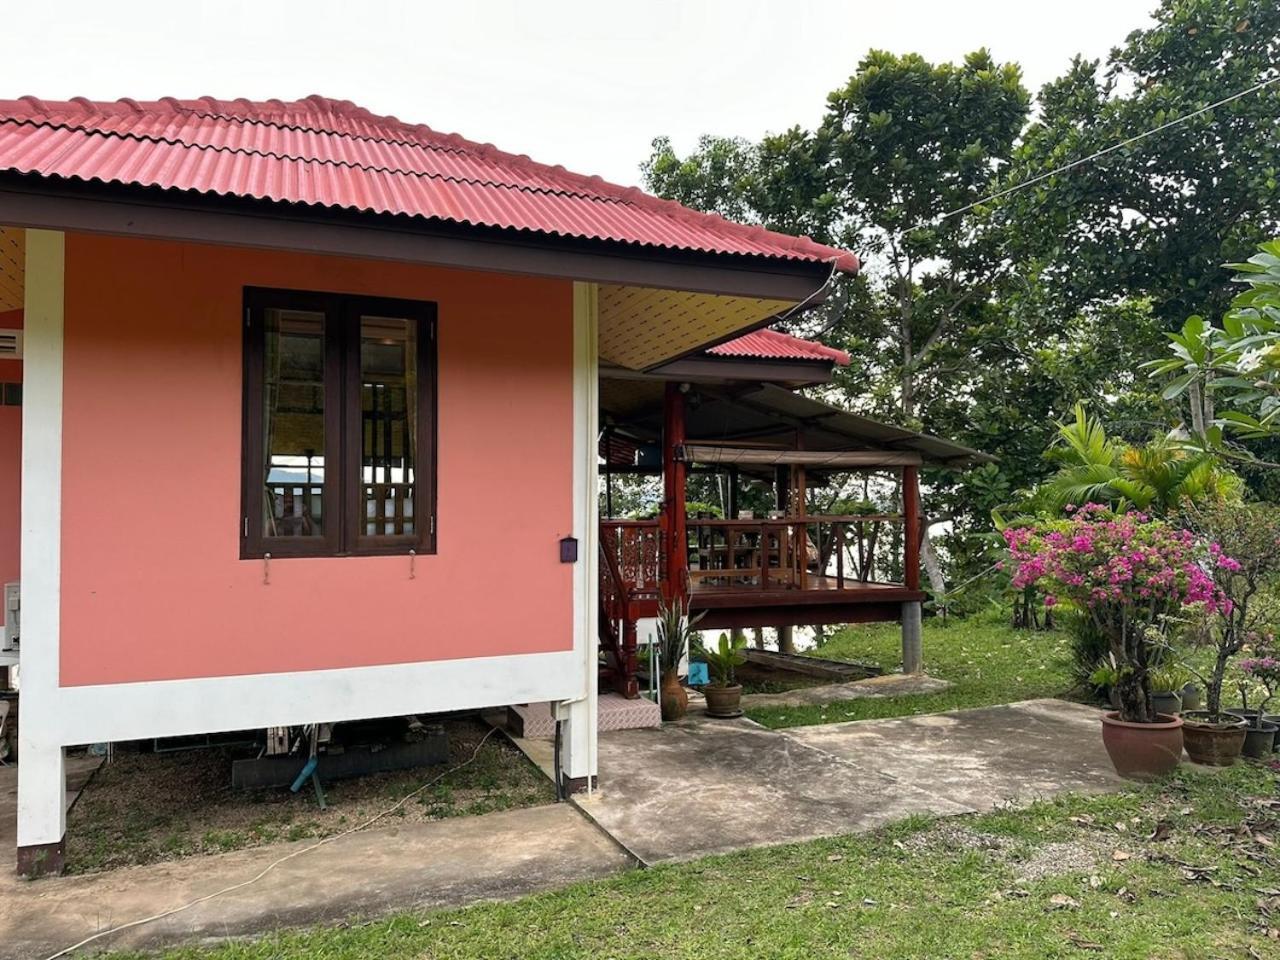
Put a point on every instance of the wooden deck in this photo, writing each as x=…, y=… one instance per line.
x=821, y=601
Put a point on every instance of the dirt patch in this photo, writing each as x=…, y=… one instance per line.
x=1078, y=855
x=146, y=807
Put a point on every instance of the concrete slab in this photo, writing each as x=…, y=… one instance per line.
x=709, y=786
x=444, y=863
x=889, y=685
x=980, y=758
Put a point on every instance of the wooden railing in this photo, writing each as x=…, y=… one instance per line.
x=620, y=596
x=787, y=552
x=636, y=546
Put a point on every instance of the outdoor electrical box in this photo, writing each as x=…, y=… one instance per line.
x=569, y=550
x=12, y=616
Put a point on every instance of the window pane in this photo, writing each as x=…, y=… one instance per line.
x=293, y=424
x=389, y=424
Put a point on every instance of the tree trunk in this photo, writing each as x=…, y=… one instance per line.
x=932, y=566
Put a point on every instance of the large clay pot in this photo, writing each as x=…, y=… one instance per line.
x=1169, y=702
x=672, y=697
x=1143, y=751
x=1214, y=741
x=723, y=702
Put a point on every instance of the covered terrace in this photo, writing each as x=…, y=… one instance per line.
x=789, y=567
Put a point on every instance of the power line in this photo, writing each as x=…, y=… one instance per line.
x=1101, y=153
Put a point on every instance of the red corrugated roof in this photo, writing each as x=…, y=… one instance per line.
x=776, y=345
x=332, y=153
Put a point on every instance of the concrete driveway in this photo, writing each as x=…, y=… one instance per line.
x=705, y=786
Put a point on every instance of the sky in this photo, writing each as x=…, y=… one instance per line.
x=583, y=84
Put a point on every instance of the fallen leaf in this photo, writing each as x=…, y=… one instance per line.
x=1095, y=882
x=835, y=858
x=1121, y=826
x=1120, y=856
x=1060, y=901
x=1163, y=831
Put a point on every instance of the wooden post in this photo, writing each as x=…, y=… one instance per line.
x=732, y=498
x=911, y=528
x=674, y=472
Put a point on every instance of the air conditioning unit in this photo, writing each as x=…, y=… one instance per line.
x=10, y=344
x=12, y=616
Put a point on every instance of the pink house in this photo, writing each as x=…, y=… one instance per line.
x=284, y=369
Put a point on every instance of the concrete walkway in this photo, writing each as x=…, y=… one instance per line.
x=680, y=792
x=703, y=786
x=444, y=863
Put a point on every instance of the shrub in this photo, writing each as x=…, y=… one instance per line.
x=1128, y=573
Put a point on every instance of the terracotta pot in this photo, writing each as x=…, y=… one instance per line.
x=723, y=702
x=1143, y=751
x=1259, y=741
x=1214, y=741
x=672, y=697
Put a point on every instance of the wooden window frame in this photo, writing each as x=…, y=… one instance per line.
x=344, y=451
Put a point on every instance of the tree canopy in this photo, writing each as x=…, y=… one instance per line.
x=987, y=320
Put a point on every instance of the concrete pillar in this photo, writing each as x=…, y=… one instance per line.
x=42, y=804
x=42, y=790
x=912, y=643
x=579, y=746
x=786, y=638
x=577, y=749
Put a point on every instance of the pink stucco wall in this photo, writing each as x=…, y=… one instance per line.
x=10, y=462
x=153, y=587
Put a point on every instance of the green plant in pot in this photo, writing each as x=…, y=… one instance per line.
x=1263, y=675
x=1167, y=683
x=724, y=693
x=1130, y=575
x=1234, y=617
x=676, y=628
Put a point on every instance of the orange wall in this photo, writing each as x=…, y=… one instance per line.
x=152, y=584
x=10, y=463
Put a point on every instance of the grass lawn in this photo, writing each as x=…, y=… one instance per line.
x=146, y=807
x=1187, y=869
x=985, y=659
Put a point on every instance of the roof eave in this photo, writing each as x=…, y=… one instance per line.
x=32, y=201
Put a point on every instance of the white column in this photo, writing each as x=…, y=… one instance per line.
x=41, y=781
x=912, y=642
x=579, y=751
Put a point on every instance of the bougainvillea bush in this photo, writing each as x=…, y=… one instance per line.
x=1242, y=554
x=1128, y=573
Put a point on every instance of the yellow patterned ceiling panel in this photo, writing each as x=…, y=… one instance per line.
x=641, y=327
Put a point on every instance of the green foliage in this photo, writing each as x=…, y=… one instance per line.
x=722, y=659
x=677, y=633
x=990, y=325
x=1239, y=362
x=1158, y=476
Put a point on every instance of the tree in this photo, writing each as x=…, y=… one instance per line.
x=1158, y=217
x=1240, y=360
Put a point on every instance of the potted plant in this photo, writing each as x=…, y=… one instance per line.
x=675, y=629
x=1167, y=683
x=1260, y=734
x=724, y=693
x=1129, y=574
x=1235, y=617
